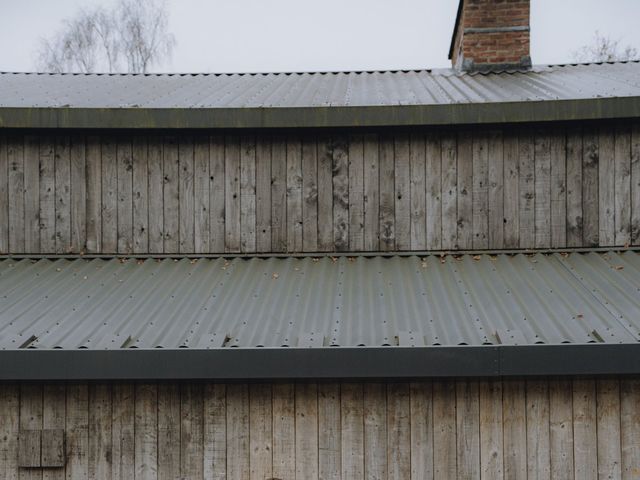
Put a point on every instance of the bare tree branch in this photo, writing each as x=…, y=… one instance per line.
x=132, y=37
x=605, y=49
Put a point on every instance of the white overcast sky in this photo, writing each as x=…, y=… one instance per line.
x=322, y=35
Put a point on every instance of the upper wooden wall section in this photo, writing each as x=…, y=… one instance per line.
x=318, y=192
x=443, y=429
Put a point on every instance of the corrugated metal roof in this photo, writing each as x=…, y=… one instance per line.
x=521, y=299
x=338, y=89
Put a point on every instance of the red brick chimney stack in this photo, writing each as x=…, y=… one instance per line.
x=491, y=35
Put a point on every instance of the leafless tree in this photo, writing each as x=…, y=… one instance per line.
x=131, y=37
x=605, y=49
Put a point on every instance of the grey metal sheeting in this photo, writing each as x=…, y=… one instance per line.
x=521, y=299
x=338, y=99
x=339, y=89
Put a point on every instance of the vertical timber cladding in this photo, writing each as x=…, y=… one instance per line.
x=573, y=186
x=513, y=428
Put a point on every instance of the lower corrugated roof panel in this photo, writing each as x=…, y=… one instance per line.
x=519, y=299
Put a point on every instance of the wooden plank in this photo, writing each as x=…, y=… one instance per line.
x=590, y=186
x=48, y=195
x=53, y=419
x=511, y=170
x=279, y=194
x=574, y=188
x=201, y=183
x=260, y=431
x=402, y=189
x=309, y=194
x=168, y=431
x=542, y=156
x=155, y=160
x=238, y=432
x=140, y=186
x=77, y=430
x=100, y=448
x=399, y=430
x=635, y=184
x=63, y=194
x=123, y=450
x=608, y=425
x=15, y=158
x=356, y=193
x=480, y=191
x=263, y=193
x=4, y=196
x=248, y=194
x=558, y=151
x=585, y=437
x=630, y=427
x=9, y=429
x=29, y=453
x=284, y=431
x=325, y=194
x=371, y=193
x=329, y=439
x=387, y=193
x=495, y=150
x=352, y=415
x=465, y=191
x=606, y=187
x=340, y=180
x=561, y=428
x=146, y=430
x=125, y=194
x=294, y=194
x=514, y=417
x=215, y=431
x=468, y=428
x=375, y=431
x=622, y=194
x=422, y=424
x=217, y=194
x=434, y=192
x=94, y=194
x=417, y=163
x=527, y=191
x=444, y=429
x=171, y=195
x=109, y=180
x=31, y=194
x=306, y=451
x=53, y=455
x=449, y=192
x=187, y=196
x=31, y=413
x=491, y=425
x=191, y=431
x=78, y=194
x=538, y=455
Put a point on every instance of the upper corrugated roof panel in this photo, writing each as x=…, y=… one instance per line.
x=296, y=90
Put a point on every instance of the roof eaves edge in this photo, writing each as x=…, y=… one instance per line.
x=319, y=117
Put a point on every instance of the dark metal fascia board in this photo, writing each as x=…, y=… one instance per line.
x=319, y=363
x=320, y=117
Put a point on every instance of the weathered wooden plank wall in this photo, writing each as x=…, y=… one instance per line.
x=315, y=192
x=490, y=429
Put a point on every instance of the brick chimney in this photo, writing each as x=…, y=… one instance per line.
x=491, y=35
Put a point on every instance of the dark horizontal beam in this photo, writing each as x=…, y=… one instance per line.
x=319, y=363
x=326, y=116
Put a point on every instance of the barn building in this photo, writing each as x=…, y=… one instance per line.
x=344, y=275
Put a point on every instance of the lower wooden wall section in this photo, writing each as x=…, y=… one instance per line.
x=515, y=429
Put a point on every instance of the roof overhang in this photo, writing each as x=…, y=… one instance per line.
x=321, y=117
x=324, y=363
